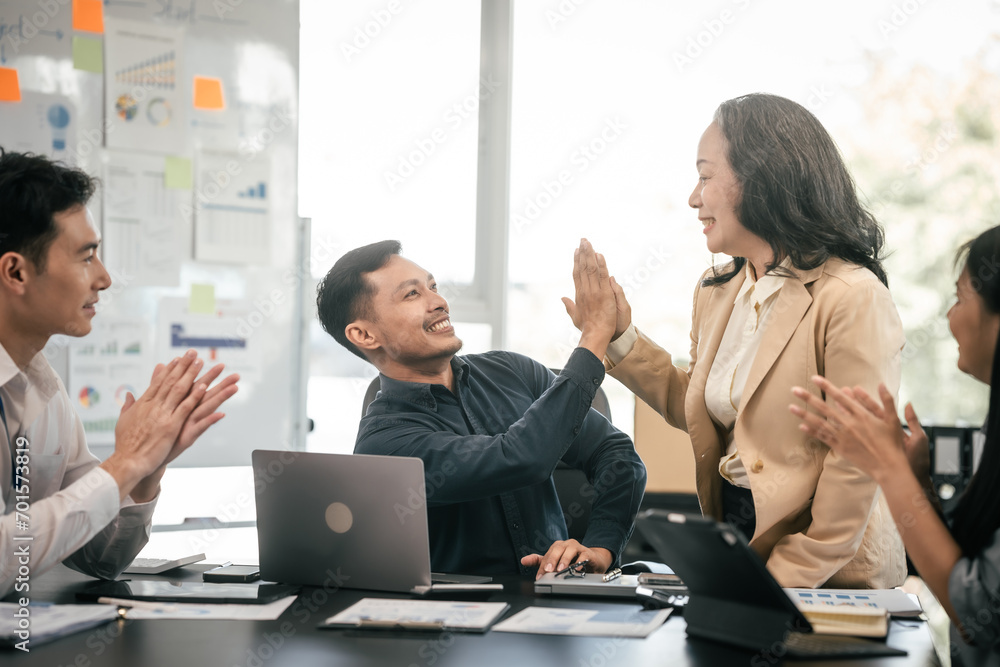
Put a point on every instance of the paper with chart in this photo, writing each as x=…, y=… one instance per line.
x=894, y=600
x=204, y=612
x=104, y=366
x=222, y=336
x=232, y=209
x=419, y=614
x=144, y=86
x=144, y=231
x=606, y=622
x=40, y=123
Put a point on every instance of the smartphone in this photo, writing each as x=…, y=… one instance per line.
x=232, y=574
x=655, y=579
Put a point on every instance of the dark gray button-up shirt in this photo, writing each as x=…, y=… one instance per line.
x=490, y=450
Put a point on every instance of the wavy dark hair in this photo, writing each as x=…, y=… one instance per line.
x=795, y=190
x=976, y=516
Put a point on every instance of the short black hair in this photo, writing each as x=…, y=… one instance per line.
x=33, y=189
x=344, y=295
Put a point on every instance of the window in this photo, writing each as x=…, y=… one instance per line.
x=390, y=98
x=610, y=100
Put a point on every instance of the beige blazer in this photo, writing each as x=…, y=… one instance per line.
x=820, y=520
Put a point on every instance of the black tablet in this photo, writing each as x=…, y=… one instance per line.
x=716, y=562
x=733, y=597
x=187, y=591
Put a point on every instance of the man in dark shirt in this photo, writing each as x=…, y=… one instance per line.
x=491, y=427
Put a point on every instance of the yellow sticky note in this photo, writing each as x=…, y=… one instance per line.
x=208, y=94
x=177, y=173
x=88, y=54
x=88, y=15
x=202, y=299
x=10, y=89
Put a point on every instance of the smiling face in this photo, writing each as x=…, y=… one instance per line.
x=716, y=197
x=975, y=329
x=62, y=298
x=411, y=328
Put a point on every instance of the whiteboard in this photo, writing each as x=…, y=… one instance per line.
x=255, y=322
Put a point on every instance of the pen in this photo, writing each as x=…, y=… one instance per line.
x=613, y=574
x=137, y=604
x=577, y=565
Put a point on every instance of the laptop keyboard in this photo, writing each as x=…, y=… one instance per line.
x=805, y=644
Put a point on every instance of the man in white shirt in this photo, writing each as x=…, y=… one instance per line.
x=57, y=501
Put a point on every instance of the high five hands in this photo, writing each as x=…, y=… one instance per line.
x=600, y=310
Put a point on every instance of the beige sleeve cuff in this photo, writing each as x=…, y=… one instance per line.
x=619, y=349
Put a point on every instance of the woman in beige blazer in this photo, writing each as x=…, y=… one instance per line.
x=805, y=294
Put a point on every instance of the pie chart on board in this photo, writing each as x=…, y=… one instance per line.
x=89, y=397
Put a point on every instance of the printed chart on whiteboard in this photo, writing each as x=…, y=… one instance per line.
x=104, y=367
x=145, y=100
x=214, y=335
x=232, y=210
x=143, y=226
x=41, y=123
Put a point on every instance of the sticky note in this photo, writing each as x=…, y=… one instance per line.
x=208, y=93
x=88, y=54
x=10, y=90
x=88, y=15
x=177, y=173
x=202, y=299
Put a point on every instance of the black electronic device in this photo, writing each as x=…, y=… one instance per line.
x=232, y=574
x=733, y=598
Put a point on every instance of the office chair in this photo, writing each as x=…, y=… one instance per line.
x=576, y=495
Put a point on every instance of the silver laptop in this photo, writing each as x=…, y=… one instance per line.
x=344, y=521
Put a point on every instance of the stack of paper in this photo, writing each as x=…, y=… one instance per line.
x=47, y=622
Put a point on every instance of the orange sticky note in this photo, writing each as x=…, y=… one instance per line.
x=208, y=93
x=88, y=15
x=10, y=90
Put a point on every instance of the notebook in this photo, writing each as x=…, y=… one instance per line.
x=346, y=521
x=735, y=600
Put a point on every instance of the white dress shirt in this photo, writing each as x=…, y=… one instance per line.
x=74, y=513
x=745, y=330
x=727, y=379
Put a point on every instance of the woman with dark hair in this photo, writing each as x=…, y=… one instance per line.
x=805, y=294
x=959, y=560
